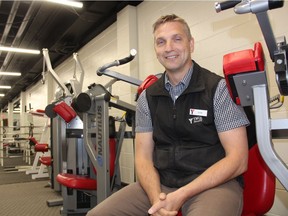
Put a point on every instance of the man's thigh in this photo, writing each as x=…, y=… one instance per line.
x=224, y=200
x=129, y=201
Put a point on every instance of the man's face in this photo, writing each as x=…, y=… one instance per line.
x=173, y=47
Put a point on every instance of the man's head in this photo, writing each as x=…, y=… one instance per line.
x=173, y=43
x=172, y=18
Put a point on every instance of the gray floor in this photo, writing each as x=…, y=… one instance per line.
x=27, y=199
x=21, y=195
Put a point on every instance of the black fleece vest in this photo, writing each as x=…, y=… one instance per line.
x=186, y=140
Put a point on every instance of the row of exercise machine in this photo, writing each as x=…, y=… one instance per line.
x=85, y=144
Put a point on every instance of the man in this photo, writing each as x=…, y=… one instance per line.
x=191, y=142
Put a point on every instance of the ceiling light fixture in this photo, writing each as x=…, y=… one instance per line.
x=20, y=50
x=5, y=87
x=2, y=95
x=6, y=73
x=68, y=3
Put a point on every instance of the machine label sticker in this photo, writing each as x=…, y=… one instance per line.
x=198, y=112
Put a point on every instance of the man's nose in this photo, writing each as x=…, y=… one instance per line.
x=169, y=46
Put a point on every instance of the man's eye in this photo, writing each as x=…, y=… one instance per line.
x=178, y=39
x=160, y=42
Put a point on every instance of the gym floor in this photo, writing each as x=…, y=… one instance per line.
x=27, y=199
x=20, y=195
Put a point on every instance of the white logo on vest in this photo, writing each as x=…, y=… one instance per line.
x=195, y=119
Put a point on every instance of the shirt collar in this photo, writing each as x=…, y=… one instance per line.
x=185, y=81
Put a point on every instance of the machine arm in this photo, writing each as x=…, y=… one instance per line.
x=125, y=60
x=117, y=76
x=78, y=63
x=53, y=73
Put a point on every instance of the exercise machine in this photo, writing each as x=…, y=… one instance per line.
x=102, y=143
x=67, y=151
x=251, y=88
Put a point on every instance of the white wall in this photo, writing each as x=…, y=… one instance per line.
x=215, y=35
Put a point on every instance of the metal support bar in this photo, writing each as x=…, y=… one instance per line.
x=102, y=149
x=267, y=32
x=120, y=138
x=96, y=124
x=263, y=129
x=122, y=77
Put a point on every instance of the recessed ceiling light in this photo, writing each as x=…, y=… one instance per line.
x=6, y=73
x=68, y=3
x=20, y=50
x=5, y=87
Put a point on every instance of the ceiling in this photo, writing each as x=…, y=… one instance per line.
x=39, y=24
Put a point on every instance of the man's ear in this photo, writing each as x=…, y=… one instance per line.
x=192, y=45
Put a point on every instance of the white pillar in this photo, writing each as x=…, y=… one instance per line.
x=23, y=115
x=127, y=39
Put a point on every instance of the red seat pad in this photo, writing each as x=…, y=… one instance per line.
x=46, y=160
x=259, y=185
x=78, y=182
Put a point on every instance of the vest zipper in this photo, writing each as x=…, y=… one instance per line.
x=174, y=112
x=174, y=120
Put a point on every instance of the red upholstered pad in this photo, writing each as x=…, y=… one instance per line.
x=33, y=140
x=146, y=83
x=41, y=147
x=46, y=160
x=242, y=62
x=40, y=111
x=77, y=181
x=259, y=187
x=65, y=111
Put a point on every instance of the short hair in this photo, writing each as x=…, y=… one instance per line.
x=172, y=18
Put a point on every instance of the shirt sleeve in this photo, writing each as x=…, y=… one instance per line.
x=227, y=114
x=143, y=116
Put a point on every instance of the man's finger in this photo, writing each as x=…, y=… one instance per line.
x=162, y=196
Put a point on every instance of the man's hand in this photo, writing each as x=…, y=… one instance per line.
x=168, y=205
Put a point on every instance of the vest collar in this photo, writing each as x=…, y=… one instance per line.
x=196, y=83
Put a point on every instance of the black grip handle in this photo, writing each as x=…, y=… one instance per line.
x=125, y=60
x=129, y=58
x=220, y=6
x=275, y=4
